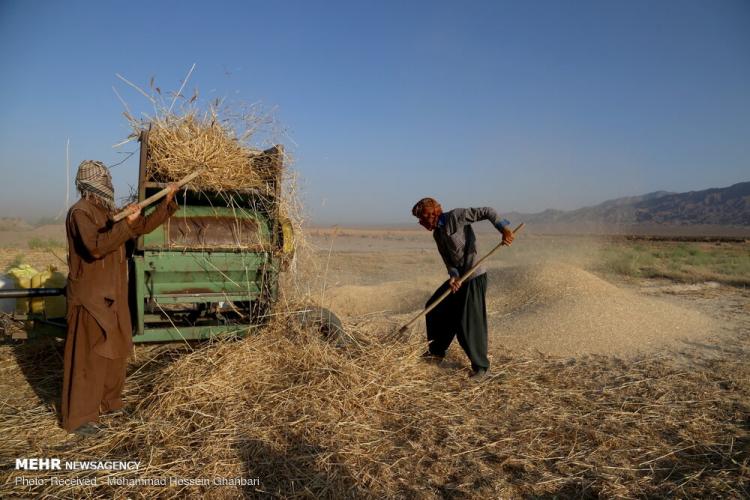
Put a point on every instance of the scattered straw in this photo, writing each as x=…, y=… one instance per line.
x=226, y=141
x=178, y=144
x=310, y=420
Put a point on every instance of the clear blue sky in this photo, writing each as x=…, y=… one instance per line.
x=518, y=105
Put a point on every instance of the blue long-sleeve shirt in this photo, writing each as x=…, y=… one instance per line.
x=456, y=240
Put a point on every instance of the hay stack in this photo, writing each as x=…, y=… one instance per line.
x=178, y=144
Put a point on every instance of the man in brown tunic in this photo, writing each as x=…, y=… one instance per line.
x=99, y=335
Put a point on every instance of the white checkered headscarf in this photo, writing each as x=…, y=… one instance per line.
x=93, y=179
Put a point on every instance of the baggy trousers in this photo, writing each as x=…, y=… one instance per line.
x=91, y=383
x=462, y=314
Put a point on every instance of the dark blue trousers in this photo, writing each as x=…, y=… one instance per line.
x=464, y=315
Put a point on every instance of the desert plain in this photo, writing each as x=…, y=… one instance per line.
x=618, y=368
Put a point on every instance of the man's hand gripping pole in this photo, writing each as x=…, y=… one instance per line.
x=468, y=273
x=157, y=196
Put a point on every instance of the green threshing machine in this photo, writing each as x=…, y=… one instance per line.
x=212, y=269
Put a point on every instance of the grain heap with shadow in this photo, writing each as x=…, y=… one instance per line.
x=562, y=309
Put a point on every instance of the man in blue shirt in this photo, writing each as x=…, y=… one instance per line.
x=463, y=313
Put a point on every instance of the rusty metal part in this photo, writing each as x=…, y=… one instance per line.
x=213, y=232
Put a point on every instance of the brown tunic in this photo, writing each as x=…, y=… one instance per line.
x=99, y=335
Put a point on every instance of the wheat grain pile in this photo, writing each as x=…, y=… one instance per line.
x=565, y=310
x=552, y=307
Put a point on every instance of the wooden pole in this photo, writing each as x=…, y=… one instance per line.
x=157, y=196
x=468, y=273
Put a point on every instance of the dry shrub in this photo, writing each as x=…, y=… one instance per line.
x=370, y=420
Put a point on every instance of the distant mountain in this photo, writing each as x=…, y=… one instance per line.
x=728, y=206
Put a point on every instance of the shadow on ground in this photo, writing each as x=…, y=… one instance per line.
x=41, y=362
x=295, y=470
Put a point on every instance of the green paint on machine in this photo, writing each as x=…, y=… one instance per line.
x=211, y=270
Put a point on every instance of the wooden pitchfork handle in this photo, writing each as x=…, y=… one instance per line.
x=460, y=281
x=158, y=196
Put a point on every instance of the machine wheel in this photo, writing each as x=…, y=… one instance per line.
x=326, y=322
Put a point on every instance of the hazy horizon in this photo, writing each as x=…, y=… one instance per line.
x=523, y=107
x=59, y=218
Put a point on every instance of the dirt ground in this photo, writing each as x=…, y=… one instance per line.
x=19, y=239
x=600, y=386
x=544, y=294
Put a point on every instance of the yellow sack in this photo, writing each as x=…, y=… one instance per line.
x=55, y=307
x=51, y=307
x=23, y=275
x=37, y=303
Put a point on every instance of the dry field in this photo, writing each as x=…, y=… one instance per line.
x=607, y=379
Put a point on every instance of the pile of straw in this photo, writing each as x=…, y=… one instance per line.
x=234, y=145
x=178, y=144
x=310, y=420
x=215, y=137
